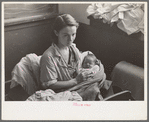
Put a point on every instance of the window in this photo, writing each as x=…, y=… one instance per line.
x=27, y=12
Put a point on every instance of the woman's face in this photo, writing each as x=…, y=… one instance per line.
x=66, y=36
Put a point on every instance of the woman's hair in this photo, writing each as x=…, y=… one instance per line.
x=61, y=22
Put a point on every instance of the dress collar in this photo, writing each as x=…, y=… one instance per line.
x=56, y=50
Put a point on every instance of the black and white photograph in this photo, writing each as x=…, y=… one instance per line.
x=74, y=60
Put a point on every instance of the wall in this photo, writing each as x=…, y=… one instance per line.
x=110, y=47
x=78, y=11
x=22, y=39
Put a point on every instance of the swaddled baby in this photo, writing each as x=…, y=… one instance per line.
x=90, y=65
x=93, y=69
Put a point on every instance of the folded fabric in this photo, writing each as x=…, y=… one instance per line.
x=129, y=16
x=50, y=95
x=26, y=73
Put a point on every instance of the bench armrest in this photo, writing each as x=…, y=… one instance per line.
x=129, y=77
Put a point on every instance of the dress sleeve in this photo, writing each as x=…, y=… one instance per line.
x=48, y=71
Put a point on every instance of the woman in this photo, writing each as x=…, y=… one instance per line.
x=60, y=60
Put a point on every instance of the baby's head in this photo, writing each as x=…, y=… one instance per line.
x=89, y=61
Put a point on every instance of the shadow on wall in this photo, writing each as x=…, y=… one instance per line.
x=110, y=48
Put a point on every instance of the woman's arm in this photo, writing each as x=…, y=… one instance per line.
x=64, y=84
x=59, y=84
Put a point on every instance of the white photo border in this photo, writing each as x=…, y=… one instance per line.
x=134, y=110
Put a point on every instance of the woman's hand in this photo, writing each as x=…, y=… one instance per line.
x=44, y=86
x=83, y=76
x=79, y=78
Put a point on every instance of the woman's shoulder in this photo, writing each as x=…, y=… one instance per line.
x=47, y=57
x=48, y=53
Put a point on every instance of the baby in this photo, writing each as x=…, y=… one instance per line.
x=90, y=65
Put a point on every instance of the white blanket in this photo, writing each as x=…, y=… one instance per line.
x=129, y=16
x=26, y=73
